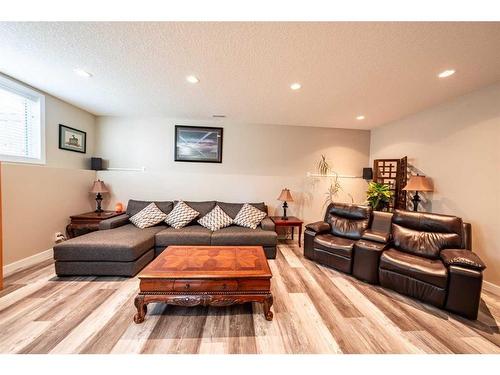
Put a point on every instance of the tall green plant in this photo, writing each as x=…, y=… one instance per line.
x=378, y=195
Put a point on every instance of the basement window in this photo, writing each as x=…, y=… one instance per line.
x=22, y=123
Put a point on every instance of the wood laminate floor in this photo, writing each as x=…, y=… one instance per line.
x=316, y=310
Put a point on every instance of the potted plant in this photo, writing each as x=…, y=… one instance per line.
x=378, y=195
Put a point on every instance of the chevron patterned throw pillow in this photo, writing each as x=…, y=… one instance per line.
x=181, y=215
x=249, y=216
x=148, y=216
x=216, y=219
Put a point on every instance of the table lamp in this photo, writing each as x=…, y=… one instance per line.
x=98, y=188
x=285, y=197
x=418, y=183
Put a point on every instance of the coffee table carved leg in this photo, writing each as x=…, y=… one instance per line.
x=268, y=302
x=142, y=309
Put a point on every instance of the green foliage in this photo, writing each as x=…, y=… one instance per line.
x=378, y=195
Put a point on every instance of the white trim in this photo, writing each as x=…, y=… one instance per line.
x=309, y=174
x=492, y=288
x=142, y=169
x=11, y=268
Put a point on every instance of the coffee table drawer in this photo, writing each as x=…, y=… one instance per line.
x=205, y=285
x=156, y=285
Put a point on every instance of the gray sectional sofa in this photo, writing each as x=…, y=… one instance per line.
x=121, y=249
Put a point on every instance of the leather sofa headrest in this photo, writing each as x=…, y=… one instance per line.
x=427, y=222
x=349, y=211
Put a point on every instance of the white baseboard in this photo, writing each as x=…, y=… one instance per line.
x=492, y=288
x=27, y=262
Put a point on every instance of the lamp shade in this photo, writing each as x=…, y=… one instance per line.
x=99, y=187
x=285, y=196
x=419, y=183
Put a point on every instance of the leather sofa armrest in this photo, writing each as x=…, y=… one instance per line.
x=462, y=258
x=268, y=224
x=114, y=222
x=375, y=236
x=319, y=227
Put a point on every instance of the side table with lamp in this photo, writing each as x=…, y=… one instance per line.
x=288, y=221
x=89, y=221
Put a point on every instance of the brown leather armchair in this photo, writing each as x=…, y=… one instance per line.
x=428, y=260
x=331, y=242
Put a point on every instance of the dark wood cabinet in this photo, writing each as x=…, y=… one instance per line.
x=88, y=222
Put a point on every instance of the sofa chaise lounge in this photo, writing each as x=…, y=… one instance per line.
x=119, y=248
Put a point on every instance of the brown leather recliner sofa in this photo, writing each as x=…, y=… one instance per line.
x=422, y=255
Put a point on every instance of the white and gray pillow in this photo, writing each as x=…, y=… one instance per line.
x=181, y=215
x=216, y=219
x=249, y=216
x=148, y=216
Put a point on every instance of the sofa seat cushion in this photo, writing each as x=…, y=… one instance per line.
x=123, y=244
x=335, y=245
x=431, y=271
x=240, y=236
x=189, y=235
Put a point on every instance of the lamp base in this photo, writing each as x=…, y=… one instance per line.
x=98, y=199
x=416, y=199
x=285, y=206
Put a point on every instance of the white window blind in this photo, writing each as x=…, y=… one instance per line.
x=21, y=123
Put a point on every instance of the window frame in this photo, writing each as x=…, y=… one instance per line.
x=23, y=90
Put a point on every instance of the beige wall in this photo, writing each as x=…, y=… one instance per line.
x=38, y=199
x=258, y=161
x=37, y=202
x=457, y=144
x=59, y=112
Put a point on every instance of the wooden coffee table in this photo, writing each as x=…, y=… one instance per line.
x=206, y=275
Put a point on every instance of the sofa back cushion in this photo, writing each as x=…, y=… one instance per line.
x=426, y=234
x=203, y=207
x=232, y=209
x=134, y=206
x=348, y=220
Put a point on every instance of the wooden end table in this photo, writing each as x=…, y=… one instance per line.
x=292, y=222
x=88, y=222
x=206, y=275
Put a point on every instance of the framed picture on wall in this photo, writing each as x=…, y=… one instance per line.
x=198, y=144
x=72, y=139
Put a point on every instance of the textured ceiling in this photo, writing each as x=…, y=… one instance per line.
x=382, y=70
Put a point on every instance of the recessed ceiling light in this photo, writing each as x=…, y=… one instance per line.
x=446, y=73
x=192, y=79
x=360, y=117
x=295, y=86
x=82, y=73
